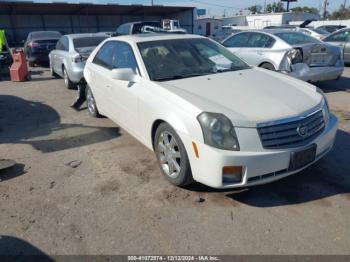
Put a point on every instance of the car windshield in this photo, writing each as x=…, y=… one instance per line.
x=182, y=58
x=46, y=34
x=296, y=38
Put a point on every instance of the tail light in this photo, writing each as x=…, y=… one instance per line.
x=77, y=59
x=33, y=44
x=296, y=55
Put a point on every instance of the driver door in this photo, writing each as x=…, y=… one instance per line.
x=124, y=94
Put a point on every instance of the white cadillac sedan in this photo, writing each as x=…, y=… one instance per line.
x=208, y=116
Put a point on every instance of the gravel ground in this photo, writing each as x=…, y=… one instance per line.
x=83, y=186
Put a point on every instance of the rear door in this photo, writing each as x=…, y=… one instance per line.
x=62, y=48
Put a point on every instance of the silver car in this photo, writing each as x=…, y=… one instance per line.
x=68, y=59
x=341, y=38
x=290, y=52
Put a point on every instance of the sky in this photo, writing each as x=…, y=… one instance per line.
x=214, y=7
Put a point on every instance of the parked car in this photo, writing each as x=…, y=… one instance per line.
x=38, y=46
x=290, y=52
x=135, y=27
x=341, y=39
x=206, y=114
x=69, y=57
x=331, y=28
x=318, y=33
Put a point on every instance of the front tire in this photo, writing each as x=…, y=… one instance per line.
x=67, y=83
x=172, y=156
x=91, y=103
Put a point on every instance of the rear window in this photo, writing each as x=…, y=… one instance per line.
x=88, y=41
x=296, y=38
x=320, y=31
x=46, y=34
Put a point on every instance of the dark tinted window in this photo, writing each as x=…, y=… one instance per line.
x=338, y=37
x=138, y=27
x=88, y=41
x=46, y=34
x=260, y=40
x=114, y=54
x=237, y=40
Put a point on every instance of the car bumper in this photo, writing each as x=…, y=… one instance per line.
x=317, y=74
x=259, y=167
x=76, y=72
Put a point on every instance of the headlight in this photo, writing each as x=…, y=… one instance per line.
x=218, y=131
x=325, y=106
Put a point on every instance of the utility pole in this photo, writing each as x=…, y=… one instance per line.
x=325, y=5
x=265, y=7
x=152, y=2
x=345, y=3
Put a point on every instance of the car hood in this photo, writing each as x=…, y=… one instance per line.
x=247, y=97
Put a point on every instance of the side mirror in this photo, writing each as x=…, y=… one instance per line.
x=125, y=74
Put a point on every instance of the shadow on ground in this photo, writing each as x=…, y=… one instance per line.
x=328, y=177
x=343, y=84
x=15, y=249
x=39, y=125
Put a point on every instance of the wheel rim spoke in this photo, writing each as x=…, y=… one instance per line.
x=169, y=154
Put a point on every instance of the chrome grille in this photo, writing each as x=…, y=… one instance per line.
x=292, y=134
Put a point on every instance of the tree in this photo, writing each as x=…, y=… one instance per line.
x=306, y=9
x=275, y=7
x=342, y=13
x=255, y=9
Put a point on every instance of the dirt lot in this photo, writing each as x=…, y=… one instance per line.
x=82, y=186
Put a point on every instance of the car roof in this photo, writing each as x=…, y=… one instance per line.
x=75, y=36
x=147, y=37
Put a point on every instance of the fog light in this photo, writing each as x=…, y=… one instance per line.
x=232, y=174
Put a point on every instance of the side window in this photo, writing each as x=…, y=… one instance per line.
x=305, y=32
x=259, y=40
x=104, y=56
x=65, y=43
x=115, y=54
x=123, y=57
x=339, y=37
x=239, y=40
x=59, y=45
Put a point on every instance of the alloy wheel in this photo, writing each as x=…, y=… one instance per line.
x=169, y=154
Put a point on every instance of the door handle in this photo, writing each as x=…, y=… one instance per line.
x=108, y=86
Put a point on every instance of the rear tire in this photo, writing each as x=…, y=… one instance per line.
x=268, y=66
x=67, y=83
x=31, y=64
x=172, y=156
x=91, y=103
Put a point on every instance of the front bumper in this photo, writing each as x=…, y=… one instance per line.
x=260, y=166
x=317, y=74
